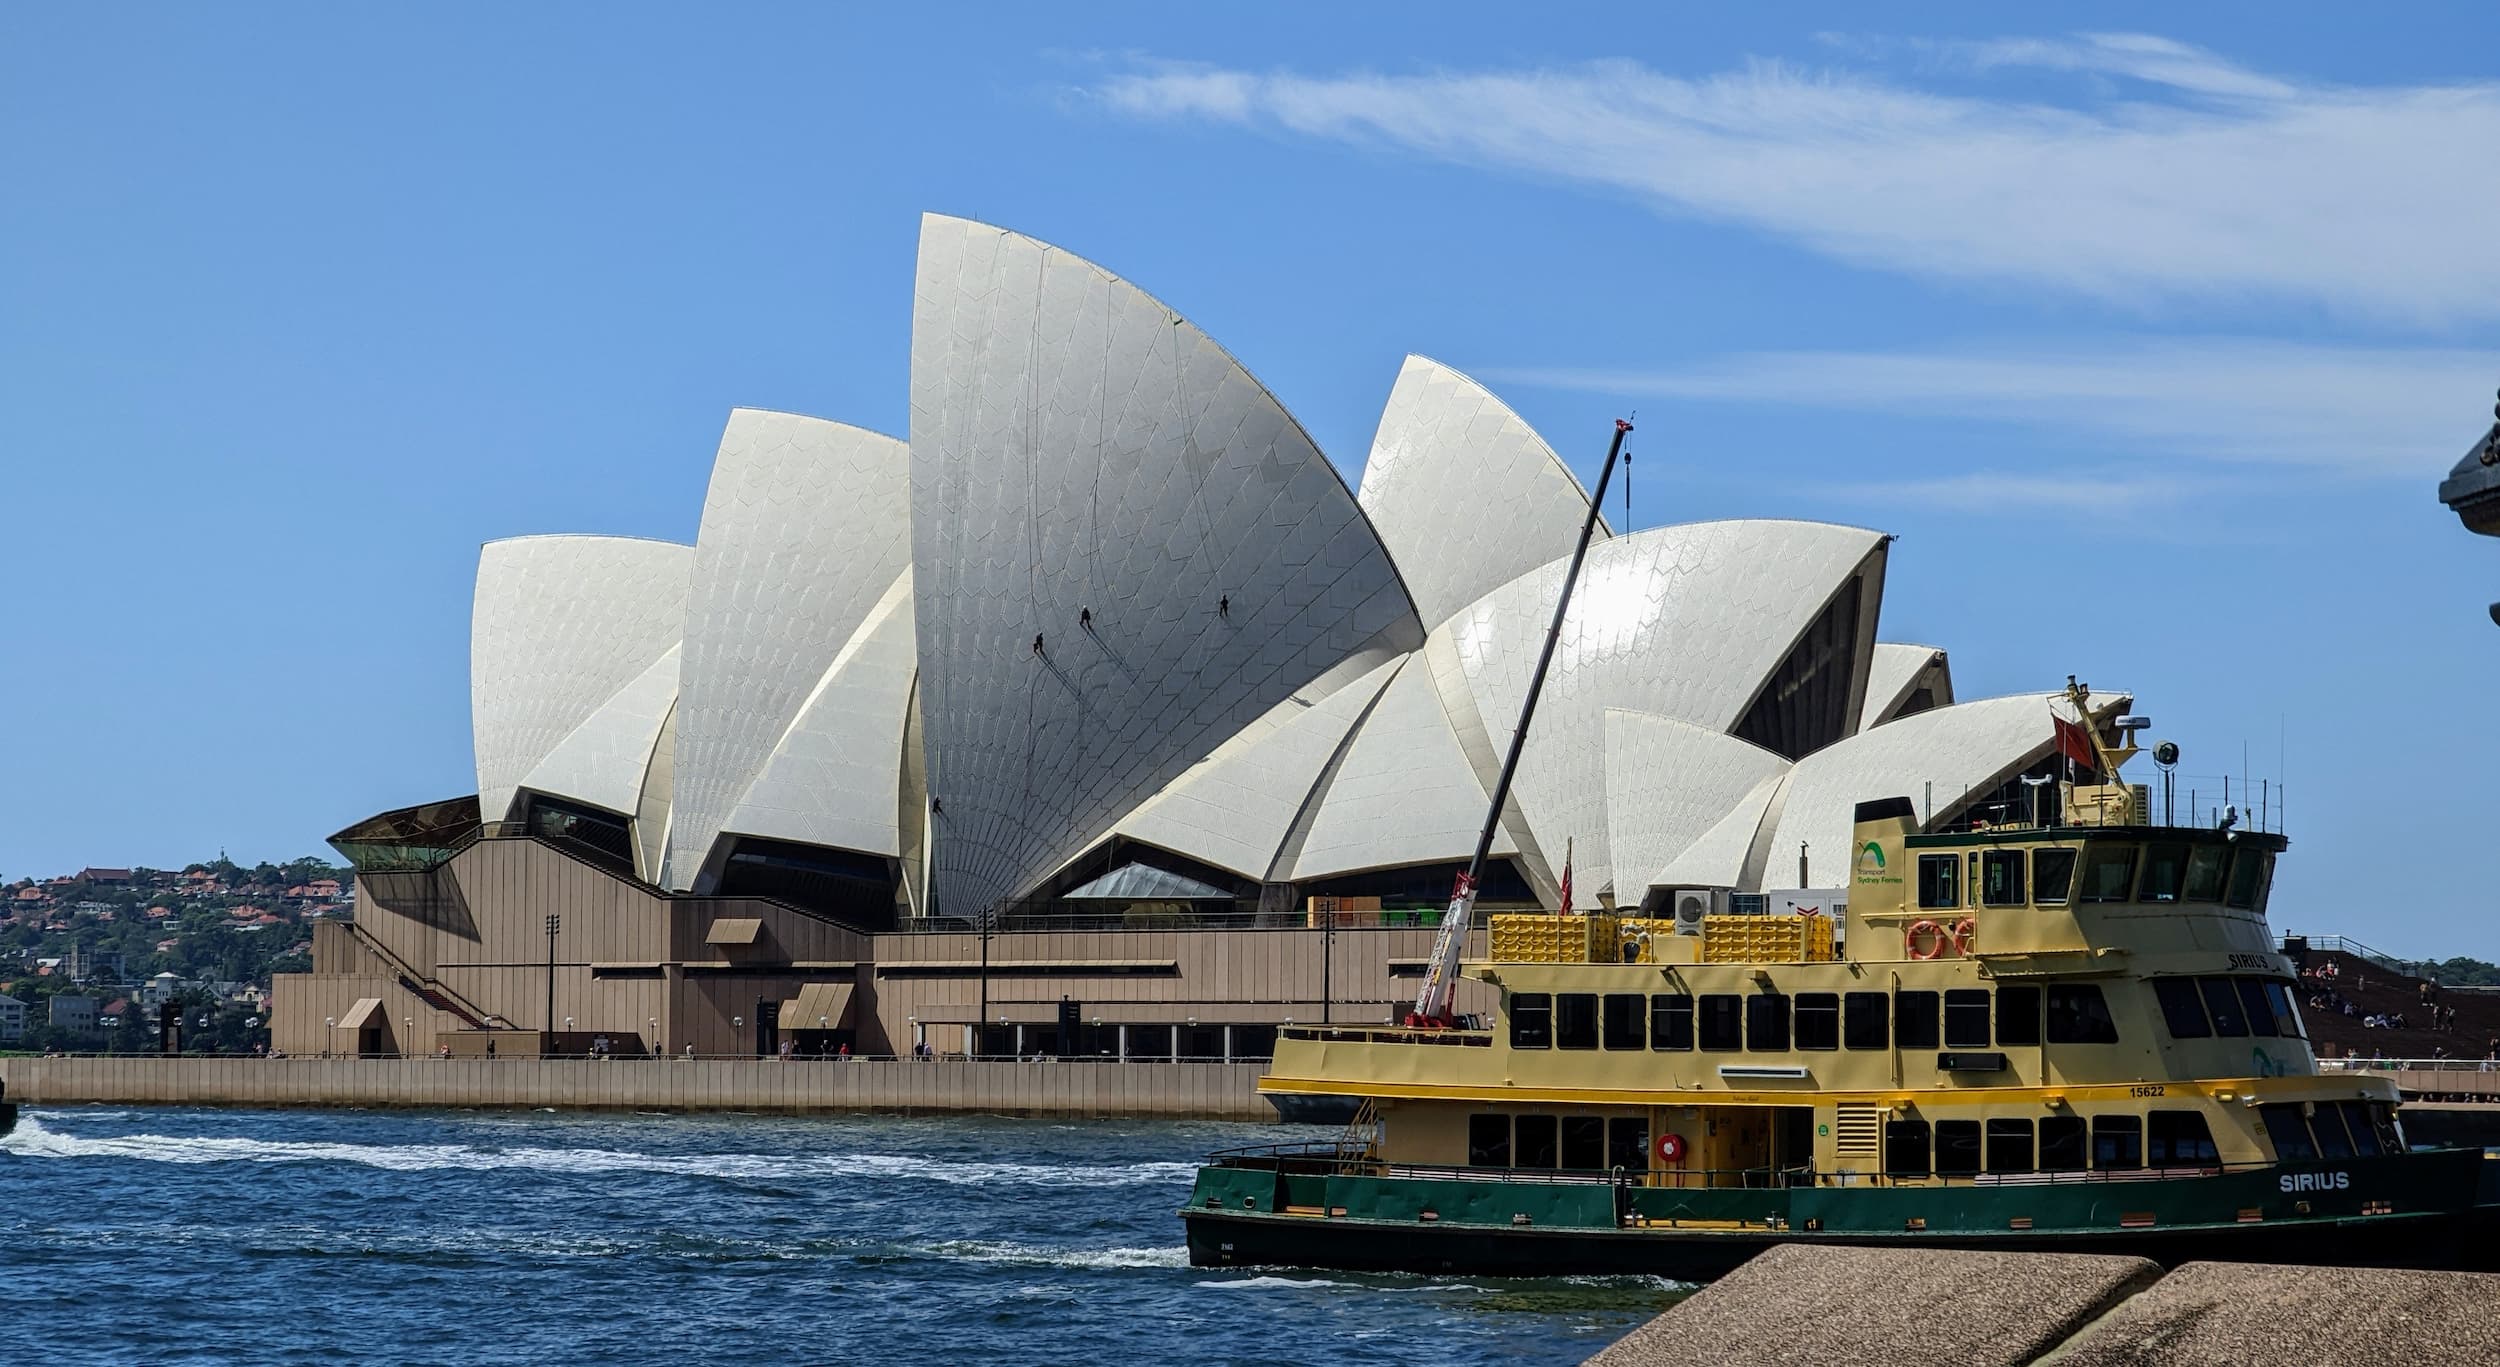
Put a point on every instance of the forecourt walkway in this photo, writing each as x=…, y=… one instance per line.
x=1945, y=1308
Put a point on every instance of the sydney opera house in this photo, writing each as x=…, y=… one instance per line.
x=1067, y=723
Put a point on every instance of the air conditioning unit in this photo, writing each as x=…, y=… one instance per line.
x=1692, y=904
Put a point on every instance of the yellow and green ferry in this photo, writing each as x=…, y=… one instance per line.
x=2076, y=1035
x=2072, y=1033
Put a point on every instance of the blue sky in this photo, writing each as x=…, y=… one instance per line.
x=2150, y=332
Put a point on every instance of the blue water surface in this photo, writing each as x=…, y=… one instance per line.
x=479, y=1237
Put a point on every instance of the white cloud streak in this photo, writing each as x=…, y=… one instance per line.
x=2353, y=410
x=2375, y=202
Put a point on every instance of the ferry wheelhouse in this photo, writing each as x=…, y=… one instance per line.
x=2076, y=1034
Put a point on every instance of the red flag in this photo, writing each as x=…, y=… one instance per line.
x=1566, y=880
x=2072, y=742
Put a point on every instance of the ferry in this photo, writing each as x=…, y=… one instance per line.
x=2073, y=1033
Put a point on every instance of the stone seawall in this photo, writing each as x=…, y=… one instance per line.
x=1215, y=1091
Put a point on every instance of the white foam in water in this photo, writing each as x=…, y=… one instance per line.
x=1034, y=1255
x=32, y=1139
x=1275, y=1284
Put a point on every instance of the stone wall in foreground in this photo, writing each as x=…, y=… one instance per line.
x=1221, y=1091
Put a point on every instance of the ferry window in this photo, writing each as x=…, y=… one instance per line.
x=1818, y=1020
x=2165, y=870
x=2078, y=1014
x=2326, y=1123
x=2009, y=1145
x=1531, y=1020
x=1766, y=1023
x=1940, y=880
x=1575, y=1020
x=1722, y=1022
x=2178, y=1137
x=1535, y=1141
x=2052, y=876
x=2063, y=1144
x=2248, y=879
x=2222, y=1004
x=2182, y=1009
x=2001, y=878
x=1905, y=1148
x=2364, y=1132
x=1966, y=1018
x=2289, y=1130
x=2255, y=1007
x=2391, y=1131
x=2108, y=873
x=1488, y=1141
x=1914, y=1020
x=1866, y=1021
x=1584, y=1142
x=2018, y=1014
x=1957, y=1147
x=2117, y=1141
x=1624, y=1014
x=1627, y=1142
x=1670, y=1021
x=2286, y=1011
x=2204, y=873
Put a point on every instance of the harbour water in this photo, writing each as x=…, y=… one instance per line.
x=171, y=1235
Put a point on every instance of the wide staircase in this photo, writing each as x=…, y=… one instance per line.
x=2377, y=985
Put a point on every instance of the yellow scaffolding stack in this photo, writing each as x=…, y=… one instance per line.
x=1766, y=939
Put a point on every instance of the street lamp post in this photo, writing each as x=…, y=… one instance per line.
x=555, y=922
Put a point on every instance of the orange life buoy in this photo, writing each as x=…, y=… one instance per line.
x=1670, y=1148
x=1963, y=930
x=1936, y=939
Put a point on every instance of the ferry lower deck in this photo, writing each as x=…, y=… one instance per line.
x=1324, y=1206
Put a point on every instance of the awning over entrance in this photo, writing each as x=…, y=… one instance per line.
x=367, y=1011
x=829, y=1002
x=734, y=930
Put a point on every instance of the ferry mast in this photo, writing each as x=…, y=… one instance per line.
x=1432, y=1003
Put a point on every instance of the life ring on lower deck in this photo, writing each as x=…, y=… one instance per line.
x=1963, y=931
x=1670, y=1148
x=1937, y=939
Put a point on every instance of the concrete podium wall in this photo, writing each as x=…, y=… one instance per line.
x=1224, y=1091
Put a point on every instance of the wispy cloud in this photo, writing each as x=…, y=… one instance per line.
x=2376, y=201
x=1998, y=491
x=2362, y=410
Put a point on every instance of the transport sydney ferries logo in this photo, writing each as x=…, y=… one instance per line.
x=1871, y=864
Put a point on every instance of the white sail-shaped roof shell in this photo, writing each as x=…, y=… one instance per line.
x=1235, y=808
x=1896, y=673
x=1956, y=753
x=1403, y=793
x=1076, y=446
x=831, y=778
x=1687, y=622
x=805, y=528
x=1728, y=855
x=559, y=625
x=1668, y=783
x=605, y=760
x=1465, y=494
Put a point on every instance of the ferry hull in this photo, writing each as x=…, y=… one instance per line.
x=2417, y=1210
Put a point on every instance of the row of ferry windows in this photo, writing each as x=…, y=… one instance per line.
x=2326, y=1130
x=2173, y=871
x=2233, y=1008
x=1580, y=1142
x=1776, y=1022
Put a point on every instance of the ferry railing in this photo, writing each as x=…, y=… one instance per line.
x=1462, y=1039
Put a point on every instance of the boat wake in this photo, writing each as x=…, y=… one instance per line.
x=33, y=1139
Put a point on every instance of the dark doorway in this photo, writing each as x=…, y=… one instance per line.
x=767, y=1028
x=1792, y=1139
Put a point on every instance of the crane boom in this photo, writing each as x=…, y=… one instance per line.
x=1432, y=1002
